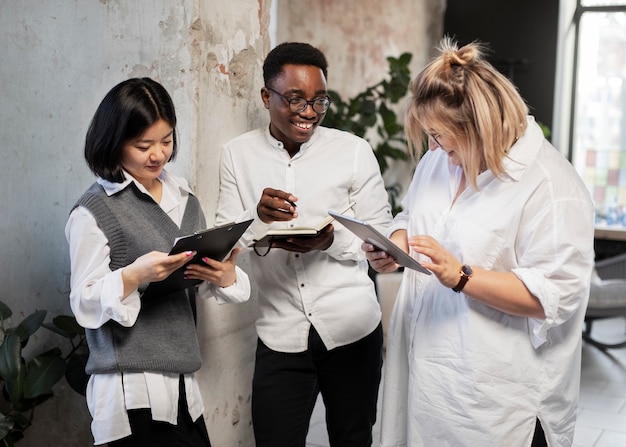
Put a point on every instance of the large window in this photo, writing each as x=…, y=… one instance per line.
x=597, y=122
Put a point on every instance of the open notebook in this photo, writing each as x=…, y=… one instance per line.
x=283, y=233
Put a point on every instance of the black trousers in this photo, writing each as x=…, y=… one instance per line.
x=286, y=385
x=146, y=432
x=539, y=438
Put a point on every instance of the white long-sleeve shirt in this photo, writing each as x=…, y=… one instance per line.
x=458, y=372
x=329, y=289
x=95, y=298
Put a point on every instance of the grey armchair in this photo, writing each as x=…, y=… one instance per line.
x=607, y=297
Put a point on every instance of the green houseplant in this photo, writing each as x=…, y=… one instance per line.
x=27, y=383
x=370, y=115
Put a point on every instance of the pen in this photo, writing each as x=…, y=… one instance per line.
x=291, y=203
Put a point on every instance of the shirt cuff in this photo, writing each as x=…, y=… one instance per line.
x=548, y=296
x=238, y=292
x=124, y=311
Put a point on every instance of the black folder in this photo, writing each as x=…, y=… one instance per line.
x=214, y=243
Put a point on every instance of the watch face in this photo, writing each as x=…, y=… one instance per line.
x=467, y=270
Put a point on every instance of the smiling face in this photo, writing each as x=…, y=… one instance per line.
x=293, y=129
x=145, y=156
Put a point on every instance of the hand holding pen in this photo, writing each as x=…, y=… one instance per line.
x=276, y=205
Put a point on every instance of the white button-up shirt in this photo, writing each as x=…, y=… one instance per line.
x=95, y=298
x=329, y=289
x=460, y=373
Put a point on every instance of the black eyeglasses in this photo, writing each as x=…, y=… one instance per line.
x=435, y=139
x=298, y=104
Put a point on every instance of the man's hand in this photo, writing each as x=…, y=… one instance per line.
x=305, y=244
x=276, y=205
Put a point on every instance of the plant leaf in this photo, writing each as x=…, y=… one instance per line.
x=15, y=388
x=54, y=352
x=6, y=424
x=43, y=373
x=30, y=324
x=56, y=330
x=5, y=312
x=10, y=357
x=65, y=325
x=75, y=373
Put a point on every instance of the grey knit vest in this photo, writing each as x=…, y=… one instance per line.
x=163, y=339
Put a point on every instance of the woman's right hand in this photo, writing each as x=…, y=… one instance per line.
x=152, y=267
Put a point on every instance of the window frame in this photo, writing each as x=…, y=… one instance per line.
x=570, y=16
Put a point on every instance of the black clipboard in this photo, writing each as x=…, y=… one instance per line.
x=371, y=235
x=214, y=243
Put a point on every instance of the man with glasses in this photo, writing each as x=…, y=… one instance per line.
x=319, y=321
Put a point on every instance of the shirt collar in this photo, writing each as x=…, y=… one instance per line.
x=111, y=188
x=524, y=151
x=279, y=144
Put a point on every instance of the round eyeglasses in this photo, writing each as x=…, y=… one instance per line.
x=298, y=104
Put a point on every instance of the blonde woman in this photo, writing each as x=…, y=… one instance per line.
x=486, y=351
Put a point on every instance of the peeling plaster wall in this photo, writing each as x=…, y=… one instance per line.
x=358, y=36
x=59, y=59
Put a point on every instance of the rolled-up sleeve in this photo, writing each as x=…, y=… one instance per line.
x=96, y=291
x=556, y=264
x=238, y=292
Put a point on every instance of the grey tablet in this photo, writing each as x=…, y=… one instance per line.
x=371, y=235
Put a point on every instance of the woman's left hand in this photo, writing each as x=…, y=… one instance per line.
x=442, y=263
x=222, y=274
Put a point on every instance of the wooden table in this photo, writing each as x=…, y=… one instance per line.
x=610, y=232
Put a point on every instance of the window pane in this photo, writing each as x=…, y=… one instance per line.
x=602, y=2
x=599, y=143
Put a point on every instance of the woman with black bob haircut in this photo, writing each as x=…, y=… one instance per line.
x=135, y=105
x=143, y=351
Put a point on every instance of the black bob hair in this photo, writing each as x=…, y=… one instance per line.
x=126, y=112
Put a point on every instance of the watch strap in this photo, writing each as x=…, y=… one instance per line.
x=466, y=273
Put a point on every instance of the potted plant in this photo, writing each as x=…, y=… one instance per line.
x=27, y=383
x=370, y=115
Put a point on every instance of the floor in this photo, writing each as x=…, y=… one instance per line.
x=602, y=408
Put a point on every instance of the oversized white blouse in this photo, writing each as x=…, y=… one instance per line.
x=460, y=373
x=95, y=298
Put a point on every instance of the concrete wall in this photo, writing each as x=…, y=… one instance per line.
x=59, y=58
x=358, y=36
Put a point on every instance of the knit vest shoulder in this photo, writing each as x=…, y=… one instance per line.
x=163, y=339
